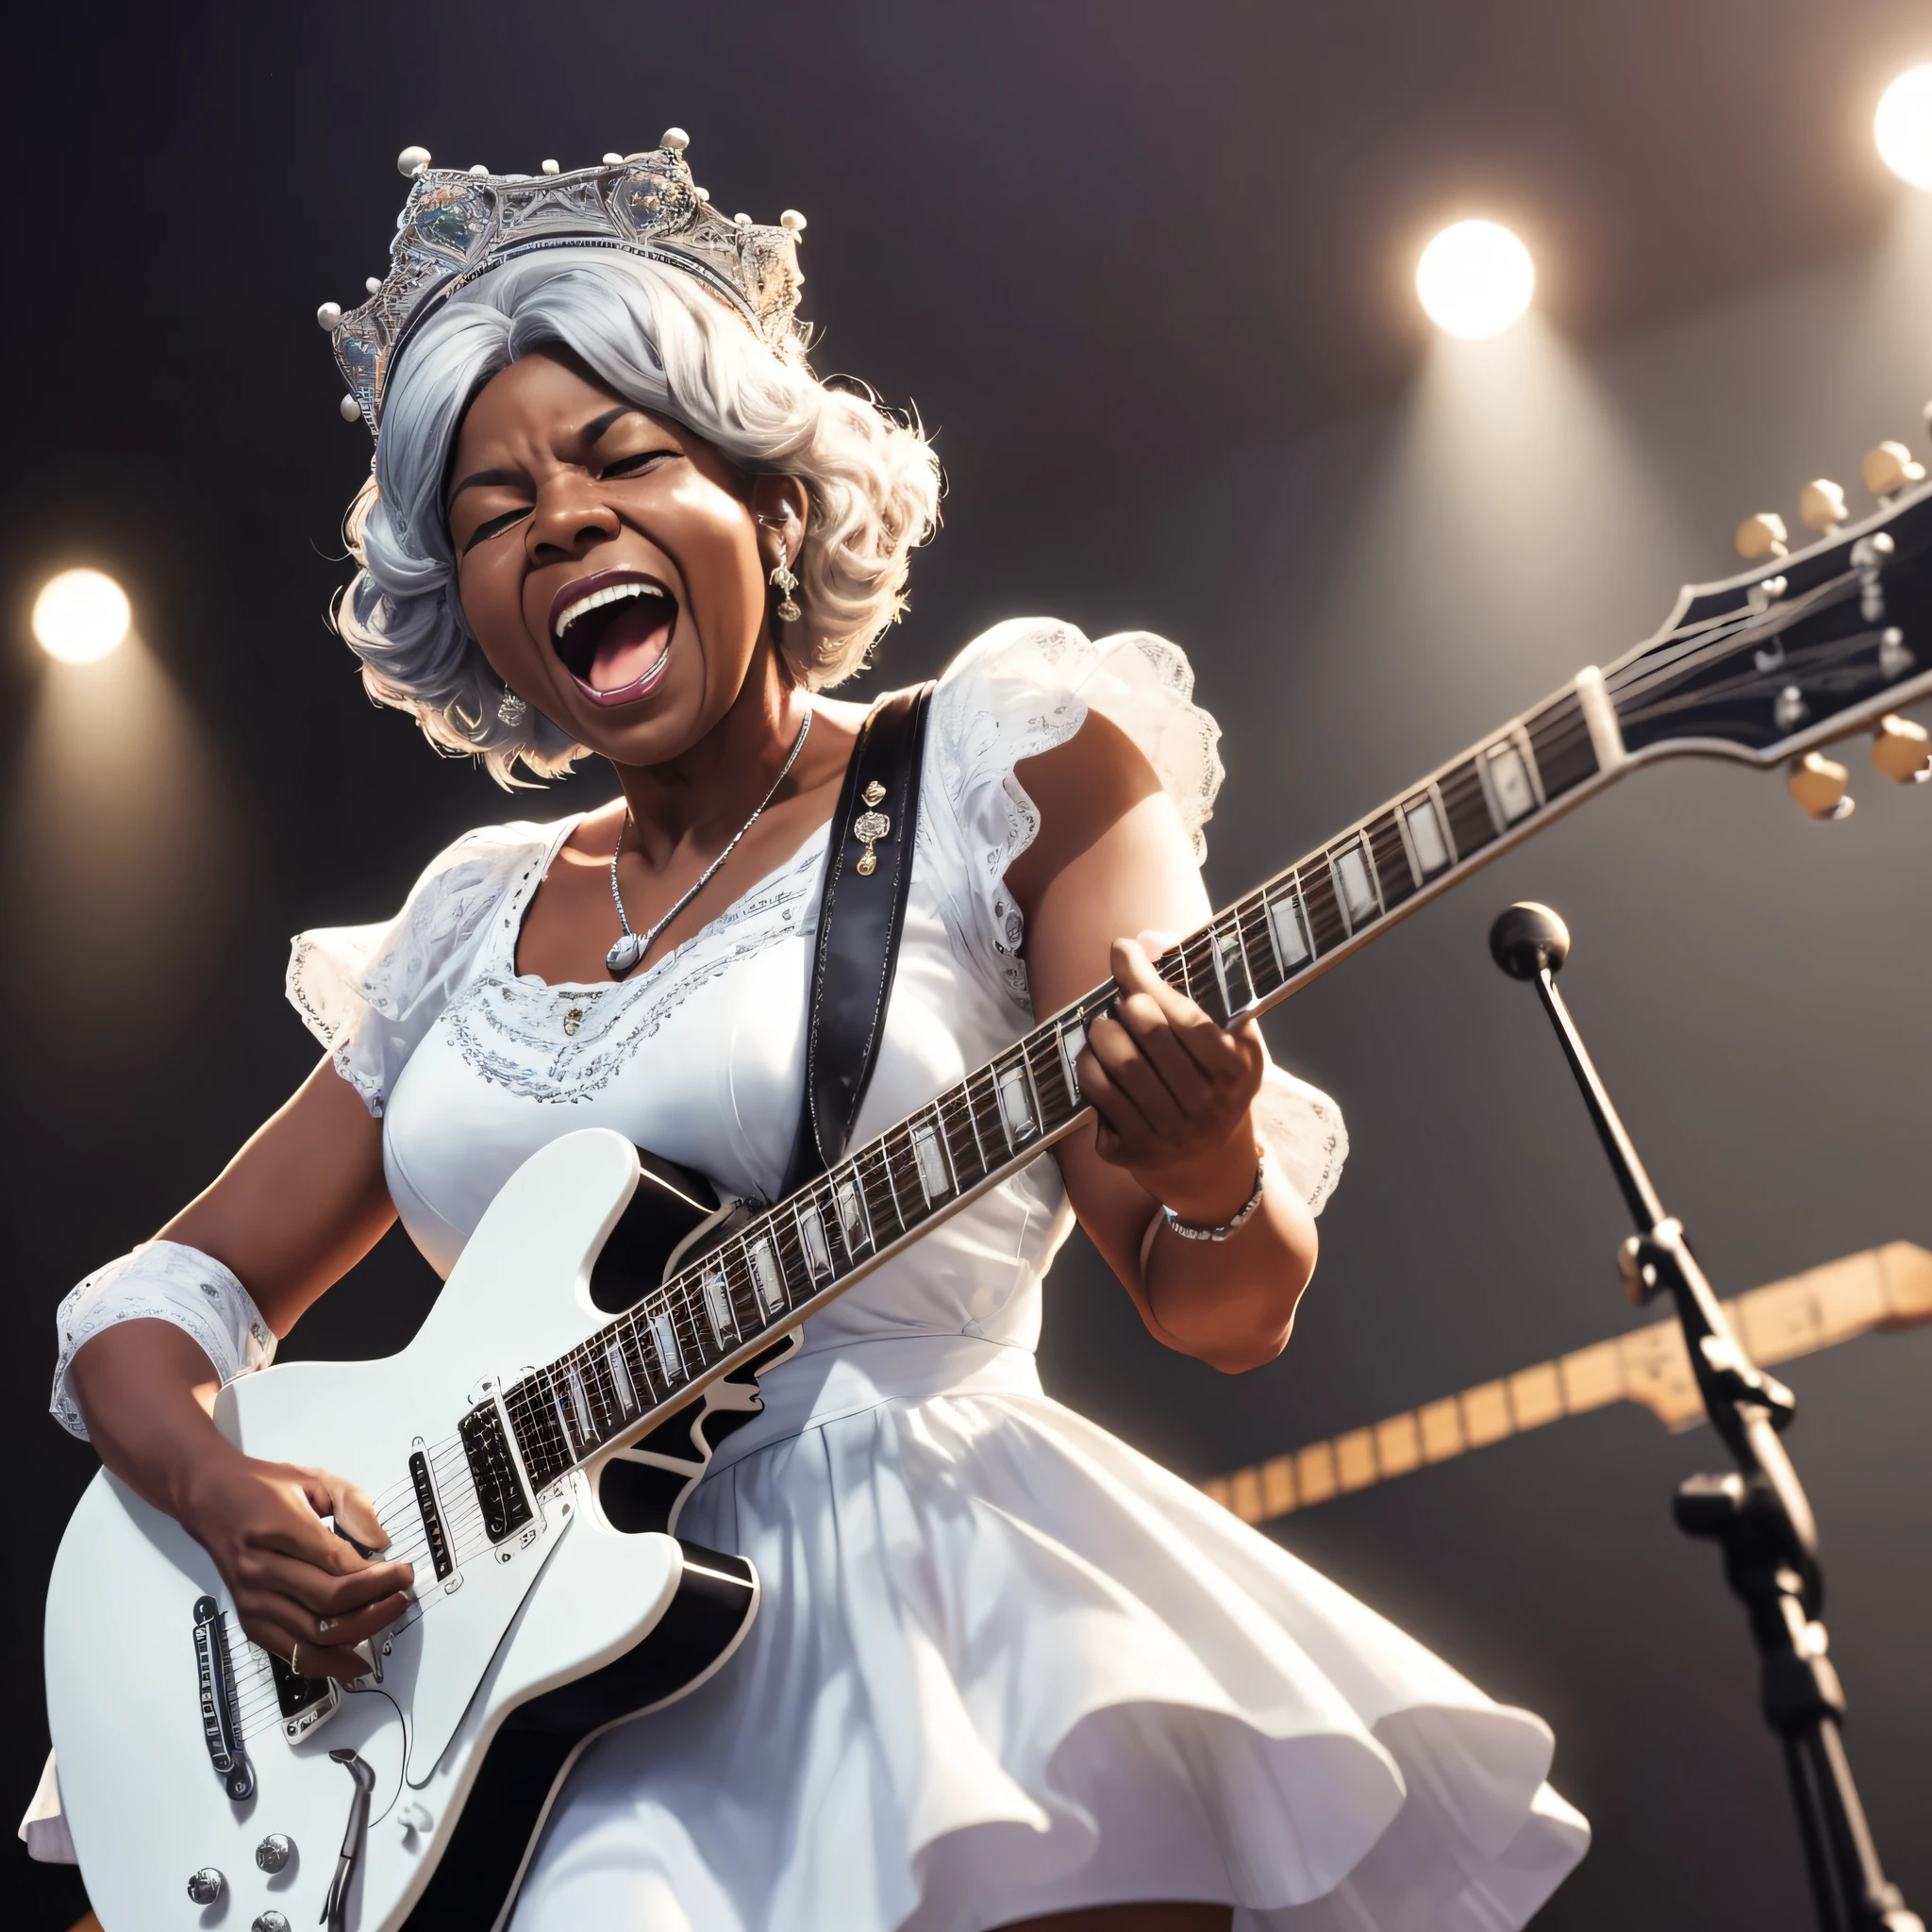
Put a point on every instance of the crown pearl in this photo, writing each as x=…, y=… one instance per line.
x=373, y=283
x=481, y=168
x=411, y=162
x=675, y=139
x=704, y=195
x=792, y=222
x=551, y=168
x=329, y=316
x=351, y=408
x=742, y=221
x=613, y=160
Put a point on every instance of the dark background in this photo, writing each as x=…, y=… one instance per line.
x=1145, y=269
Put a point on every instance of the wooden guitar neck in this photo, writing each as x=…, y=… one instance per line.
x=1879, y=1288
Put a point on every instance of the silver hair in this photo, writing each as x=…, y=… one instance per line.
x=660, y=340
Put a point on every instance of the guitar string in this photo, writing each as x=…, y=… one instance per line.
x=681, y=1303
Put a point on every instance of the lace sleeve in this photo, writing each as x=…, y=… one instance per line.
x=1022, y=689
x=369, y=994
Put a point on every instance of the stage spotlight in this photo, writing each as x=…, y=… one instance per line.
x=1902, y=126
x=1474, y=279
x=80, y=616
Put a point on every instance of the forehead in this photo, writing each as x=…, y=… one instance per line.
x=547, y=395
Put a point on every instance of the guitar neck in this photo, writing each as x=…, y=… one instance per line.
x=1882, y=1288
x=728, y=1307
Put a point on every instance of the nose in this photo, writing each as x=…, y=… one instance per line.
x=569, y=519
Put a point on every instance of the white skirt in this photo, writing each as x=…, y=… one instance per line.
x=1003, y=1666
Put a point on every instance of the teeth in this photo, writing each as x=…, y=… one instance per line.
x=612, y=594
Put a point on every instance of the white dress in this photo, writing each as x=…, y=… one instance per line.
x=1004, y=1664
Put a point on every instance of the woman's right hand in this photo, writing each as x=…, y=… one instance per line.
x=295, y=1581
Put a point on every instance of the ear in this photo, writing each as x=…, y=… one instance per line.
x=781, y=504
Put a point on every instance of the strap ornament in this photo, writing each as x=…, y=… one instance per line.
x=869, y=827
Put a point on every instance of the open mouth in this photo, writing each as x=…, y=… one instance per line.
x=612, y=631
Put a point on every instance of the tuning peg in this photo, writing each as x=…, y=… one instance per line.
x=1762, y=537
x=1888, y=467
x=1819, y=786
x=1822, y=506
x=1902, y=749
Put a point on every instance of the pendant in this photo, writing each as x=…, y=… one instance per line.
x=623, y=956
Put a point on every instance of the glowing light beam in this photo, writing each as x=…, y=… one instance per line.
x=1474, y=279
x=81, y=616
x=1902, y=126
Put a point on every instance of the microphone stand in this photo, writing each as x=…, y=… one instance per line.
x=1760, y=1516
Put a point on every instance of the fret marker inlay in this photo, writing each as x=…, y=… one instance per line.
x=764, y=1268
x=1291, y=940
x=1426, y=833
x=718, y=1303
x=1511, y=778
x=620, y=1378
x=669, y=1353
x=1016, y=1106
x=811, y=1231
x=1358, y=890
x=931, y=1162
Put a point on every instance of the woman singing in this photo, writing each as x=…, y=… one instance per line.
x=1007, y=1672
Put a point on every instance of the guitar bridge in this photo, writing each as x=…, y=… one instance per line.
x=219, y=1730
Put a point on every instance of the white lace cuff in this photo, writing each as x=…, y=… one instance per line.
x=1305, y=1133
x=162, y=1281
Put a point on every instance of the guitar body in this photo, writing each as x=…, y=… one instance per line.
x=493, y=1682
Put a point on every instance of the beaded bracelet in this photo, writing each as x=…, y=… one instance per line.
x=1189, y=1232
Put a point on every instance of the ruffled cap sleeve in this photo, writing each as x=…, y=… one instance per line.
x=1020, y=690
x=369, y=994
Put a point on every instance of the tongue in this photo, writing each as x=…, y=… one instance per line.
x=632, y=641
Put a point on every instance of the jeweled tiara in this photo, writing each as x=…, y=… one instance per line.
x=457, y=226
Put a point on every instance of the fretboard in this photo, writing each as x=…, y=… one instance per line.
x=1882, y=1288
x=729, y=1307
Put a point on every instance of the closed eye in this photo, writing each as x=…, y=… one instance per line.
x=495, y=526
x=635, y=465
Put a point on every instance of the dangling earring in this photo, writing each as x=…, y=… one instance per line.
x=786, y=610
x=512, y=708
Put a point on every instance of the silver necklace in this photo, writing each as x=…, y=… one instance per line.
x=631, y=947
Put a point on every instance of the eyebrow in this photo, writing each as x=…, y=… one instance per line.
x=591, y=432
x=484, y=478
x=593, y=429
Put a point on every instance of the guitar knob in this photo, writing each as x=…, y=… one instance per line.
x=1902, y=749
x=1888, y=467
x=206, y=1886
x=270, y=1922
x=274, y=1852
x=1821, y=504
x=1895, y=657
x=1761, y=536
x=1819, y=786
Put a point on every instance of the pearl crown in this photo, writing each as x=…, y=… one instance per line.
x=457, y=224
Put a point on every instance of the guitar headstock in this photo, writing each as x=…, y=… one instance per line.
x=1802, y=647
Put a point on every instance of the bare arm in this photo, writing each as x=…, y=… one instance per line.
x=298, y=1207
x=1174, y=1091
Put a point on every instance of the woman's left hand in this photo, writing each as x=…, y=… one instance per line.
x=1174, y=1091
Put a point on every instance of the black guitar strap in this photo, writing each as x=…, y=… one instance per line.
x=861, y=918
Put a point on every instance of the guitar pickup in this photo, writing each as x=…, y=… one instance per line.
x=499, y=1487
x=431, y=1512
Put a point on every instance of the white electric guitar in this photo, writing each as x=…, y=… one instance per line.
x=607, y=1319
